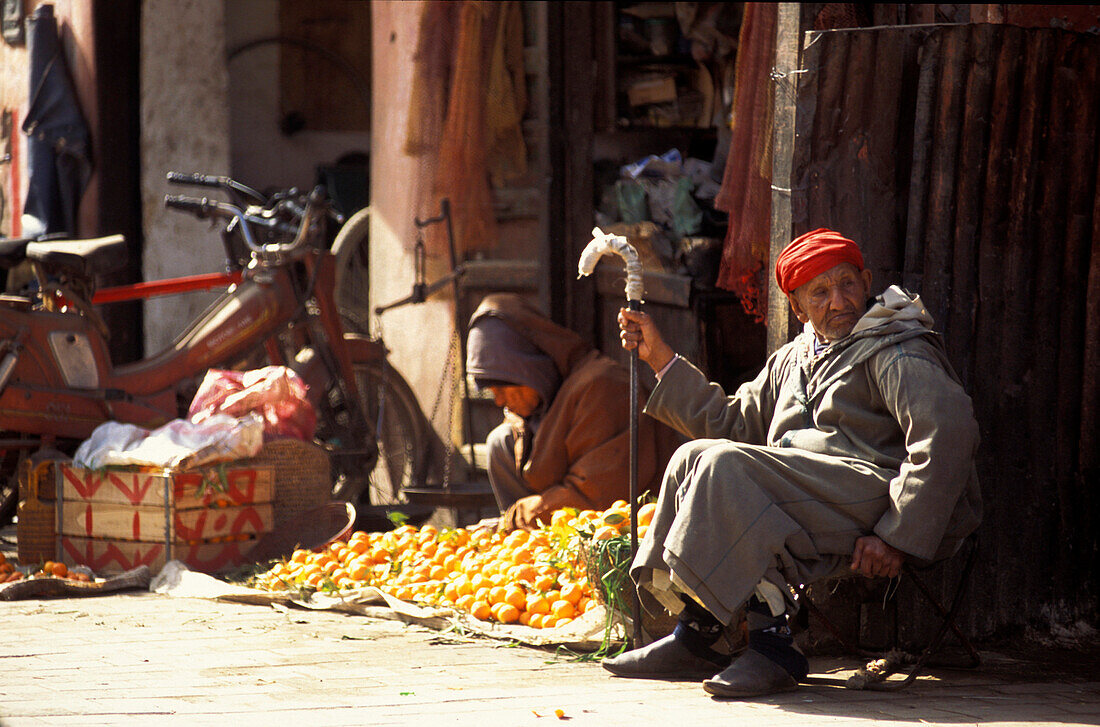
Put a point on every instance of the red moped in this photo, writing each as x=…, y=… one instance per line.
x=57, y=381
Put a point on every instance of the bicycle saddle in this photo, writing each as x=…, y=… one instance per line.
x=13, y=251
x=83, y=258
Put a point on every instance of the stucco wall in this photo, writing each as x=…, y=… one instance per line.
x=184, y=127
x=261, y=155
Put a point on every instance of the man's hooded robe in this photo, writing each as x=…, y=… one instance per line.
x=874, y=434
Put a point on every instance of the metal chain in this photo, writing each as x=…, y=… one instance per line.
x=447, y=383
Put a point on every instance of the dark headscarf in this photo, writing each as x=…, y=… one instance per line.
x=497, y=354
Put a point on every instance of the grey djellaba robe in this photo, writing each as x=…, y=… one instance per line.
x=873, y=435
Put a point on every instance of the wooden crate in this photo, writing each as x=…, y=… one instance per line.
x=129, y=522
x=191, y=489
x=106, y=556
x=117, y=519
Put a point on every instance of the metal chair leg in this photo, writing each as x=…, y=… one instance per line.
x=875, y=672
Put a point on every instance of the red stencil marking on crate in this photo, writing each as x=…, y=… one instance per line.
x=245, y=517
x=87, y=486
x=240, y=488
x=136, y=493
x=223, y=556
x=111, y=555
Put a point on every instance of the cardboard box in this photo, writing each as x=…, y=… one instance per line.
x=191, y=489
x=106, y=556
x=653, y=89
x=129, y=522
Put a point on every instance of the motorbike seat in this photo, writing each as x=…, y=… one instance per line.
x=82, y=258
x=13, y=250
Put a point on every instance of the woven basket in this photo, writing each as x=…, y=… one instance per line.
x=36, y=530
x=302, y=477
x=312, y=530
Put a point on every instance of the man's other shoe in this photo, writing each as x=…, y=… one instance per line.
x=752, y=675
x=665, y=658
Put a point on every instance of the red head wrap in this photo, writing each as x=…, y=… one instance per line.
x=812, y=254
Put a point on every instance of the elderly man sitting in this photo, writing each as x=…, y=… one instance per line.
x=853, y=448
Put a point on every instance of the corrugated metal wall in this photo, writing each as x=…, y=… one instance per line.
x=963, y=158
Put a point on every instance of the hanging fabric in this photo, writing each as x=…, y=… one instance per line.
x=58, y=160
x=506, y=99
x=746, y=184
x=432, y=67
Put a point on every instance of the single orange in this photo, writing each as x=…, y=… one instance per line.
x=516, y=596
x=562, y=609
x=572, y=592
x=544, y=582
x=481, y=610
x=605, y=532
x=463, y=585
x=507, y=613
x=536, y=603
x=497, y=594
x=450, y=591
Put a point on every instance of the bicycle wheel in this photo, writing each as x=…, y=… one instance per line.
x=391, y=408
x=352, y=285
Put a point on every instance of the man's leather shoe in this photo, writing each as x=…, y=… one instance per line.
x=665, y=658
x=752, y=675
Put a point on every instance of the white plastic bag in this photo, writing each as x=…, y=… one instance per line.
x=179, y=444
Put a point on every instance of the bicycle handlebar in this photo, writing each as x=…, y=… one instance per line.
x=205, y=207
x=216, y=182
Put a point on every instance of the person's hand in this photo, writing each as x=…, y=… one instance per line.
x=637, y=330
x=873, y=556
x=523, y=514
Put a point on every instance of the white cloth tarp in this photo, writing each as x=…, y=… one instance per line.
x=585, y=633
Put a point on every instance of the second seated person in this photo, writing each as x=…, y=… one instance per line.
x=564, y=441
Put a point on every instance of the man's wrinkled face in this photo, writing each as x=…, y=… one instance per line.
x=833, y=301
x=520, y=400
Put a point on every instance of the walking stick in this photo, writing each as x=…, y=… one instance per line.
x=601, y=245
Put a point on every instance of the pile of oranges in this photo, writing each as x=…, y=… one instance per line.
x=535, y=578
x=8, y=573
x=49, y=569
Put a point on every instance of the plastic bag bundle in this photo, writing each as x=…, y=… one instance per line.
x=274, y=393
x=179, y=444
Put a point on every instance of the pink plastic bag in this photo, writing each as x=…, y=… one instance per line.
x=275, y=393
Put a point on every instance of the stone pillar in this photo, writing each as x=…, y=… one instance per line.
x=418, y=335
x=184, y=127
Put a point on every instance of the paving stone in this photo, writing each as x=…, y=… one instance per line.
x=147, y=659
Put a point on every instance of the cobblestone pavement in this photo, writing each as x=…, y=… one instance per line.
x=139, y=658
